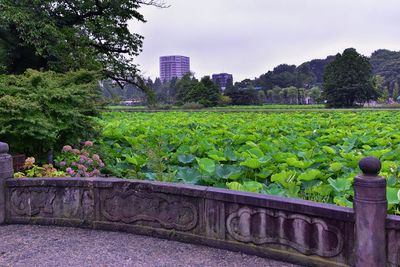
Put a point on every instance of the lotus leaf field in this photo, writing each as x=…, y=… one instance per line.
x=308, y=155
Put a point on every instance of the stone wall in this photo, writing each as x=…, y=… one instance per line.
x=393, y=240
x=292, y=230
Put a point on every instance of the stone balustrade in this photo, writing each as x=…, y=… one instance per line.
x=303, y=232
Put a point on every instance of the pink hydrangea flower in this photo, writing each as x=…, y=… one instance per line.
x=88, y=143
x=96, y=157
x=70, y=171
x=82, y=167
x=82, y=159
x=76, y=151
x=67, y=148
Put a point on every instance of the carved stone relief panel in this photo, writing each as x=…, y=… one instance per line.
x=32, y=201
x=132, y=206
x=305, y=234
x=52, y=202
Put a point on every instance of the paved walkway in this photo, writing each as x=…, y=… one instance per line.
x=24, y=245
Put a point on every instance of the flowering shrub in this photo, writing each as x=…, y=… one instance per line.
x=30, y=169
x=80, y=163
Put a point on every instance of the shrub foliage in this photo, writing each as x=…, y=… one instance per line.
x=42, y=111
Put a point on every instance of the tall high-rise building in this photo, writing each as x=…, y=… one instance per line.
x=223, y=80
x=173, y=66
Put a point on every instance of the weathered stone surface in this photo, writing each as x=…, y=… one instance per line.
x=370, y=206
x=393, y=237
x=51, y=203
x=131, y=206
x=281, y=228
x=214, y=216
x=6, y=171
x=3, y=148
x=370, y=166
x=281, y=203
x=305, y=234
x=6, y=168
x=32, y=202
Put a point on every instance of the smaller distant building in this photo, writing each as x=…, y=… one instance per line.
x=223, y=80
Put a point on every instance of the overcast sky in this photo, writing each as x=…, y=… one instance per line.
x=249, y=37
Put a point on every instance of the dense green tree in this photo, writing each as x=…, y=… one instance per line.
x=384, y=96
x=269, y=95
x=210, y=94
x=289, y=95
x=243, y=84
x=166, y=92
x=348, y=80
x=387, y=64
x=70, y=35
x=243, y=96
x=172, y=90
x=190, y=90
x=317, y=68
x=304, y=76
x=276, y=94
x=396, y=93
x=315, y=94
x=184, y=88
x=301, y=96
x=283, y=94
x=261, y=96
x=157, y=85
x=283, y=76
x=378, y=83
x=130, y=92
x=14, y=57
x=111, y=91
x=292, y=95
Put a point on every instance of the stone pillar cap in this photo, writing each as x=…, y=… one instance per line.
x=370, y=166
x=3, y=148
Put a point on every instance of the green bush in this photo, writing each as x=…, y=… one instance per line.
x=42, y=111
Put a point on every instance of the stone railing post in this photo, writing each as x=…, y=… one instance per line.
x=370, y=208
x=6, y=171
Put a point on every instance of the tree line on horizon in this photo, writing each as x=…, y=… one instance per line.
x=285, y=84
x=384, y=62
